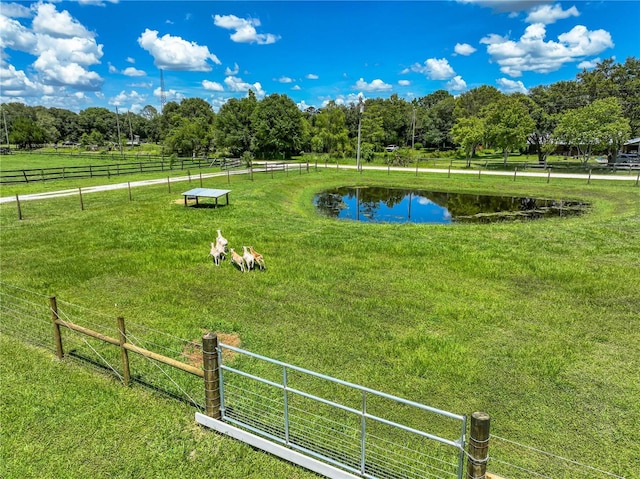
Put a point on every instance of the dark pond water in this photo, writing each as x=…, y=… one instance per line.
x=399, y=205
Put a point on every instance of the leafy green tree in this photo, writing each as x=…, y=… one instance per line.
x=600, y=125
x=372, y=125
x=541, y=138
x=26, y=133
x=189, y=138
x=330, y=133
x=471, y=102
x=469, y=133
x=66, y=122
x=233, y=127
x=622, y=81
x=99, y=119
x=508, y=124
x=278, y=126
x=47, y=122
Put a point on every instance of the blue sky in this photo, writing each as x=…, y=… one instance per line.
x=105, y=53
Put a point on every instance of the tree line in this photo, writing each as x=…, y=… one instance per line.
x=597, y=111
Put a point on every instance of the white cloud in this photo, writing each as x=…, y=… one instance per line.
x=132, y=100
x=174, y=53
x=404, y=82
x=133, y=72
x=49, y=21
x=464, y=49
x=170, y=94
x=130, y=60
x=228, y=71
x=312, y=76
x=532, y=53
x=15, y=10
x=547, y=14
x=112, y=69
x=63, y=47
x=245, y=29
x=296, y=88
x=141, y=85
x=284, y=79
x=212, y=85
x=434, y=69
x=15, y=36
x=344, y=99
x=456, y=84
x=237, y=84
x=511, y=86
x=15, y=83
x=587, y=64
x=375, y=85
x=302, y=106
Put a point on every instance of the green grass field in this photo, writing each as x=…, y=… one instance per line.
x=535, y=323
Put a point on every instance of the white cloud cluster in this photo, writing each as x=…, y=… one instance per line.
x=532, y=53
x=511, y=86
x=63, y=47
x=312, y=76
x=404, y=82
x=212, y=85
x=133, y=72
x=231, y=72
x=433, y=69
x=464, y=49
x=237, y=84
x=457, y=84
x=375, y=85
x=132, y=100
x=284, y=79
x=174, y=53
x=245, y=29
x=548, y=14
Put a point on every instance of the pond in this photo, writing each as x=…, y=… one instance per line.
x=401, y=205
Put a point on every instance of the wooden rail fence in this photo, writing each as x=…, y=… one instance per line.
x=115, y=169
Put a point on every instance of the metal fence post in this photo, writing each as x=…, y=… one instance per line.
x=478, y=445
x=211, y=379
x=56, y=327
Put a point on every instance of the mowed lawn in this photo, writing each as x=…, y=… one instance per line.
x=536, y=323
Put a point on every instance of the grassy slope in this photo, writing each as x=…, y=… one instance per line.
x=536, y=323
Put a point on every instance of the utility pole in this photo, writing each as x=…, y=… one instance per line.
x=360, y=110
x=130, y=129
x=118, y=125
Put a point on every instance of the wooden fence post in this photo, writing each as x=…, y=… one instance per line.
x=515, y=172
x=81, y=202
x=168, y=184
x=56, y=327
x=211, y=378
x=201, y=179
x=124, y=353
x=129, y=186
x=19, y=209
x=478, y=445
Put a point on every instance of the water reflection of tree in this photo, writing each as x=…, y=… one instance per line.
x=462, y=207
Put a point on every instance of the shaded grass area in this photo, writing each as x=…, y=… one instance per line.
x=535, y=322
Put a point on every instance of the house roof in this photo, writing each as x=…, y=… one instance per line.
x=634, y=141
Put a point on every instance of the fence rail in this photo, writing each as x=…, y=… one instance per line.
x=359, y=430
x=115, y=169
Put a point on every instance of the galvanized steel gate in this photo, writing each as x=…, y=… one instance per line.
x=355, y=429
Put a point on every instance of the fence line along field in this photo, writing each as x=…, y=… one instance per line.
x=533, y=322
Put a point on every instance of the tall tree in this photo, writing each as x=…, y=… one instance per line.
x=233, y=128
x=468, y=132
x=471, y=102
x=598, y=126
x=278, y=126
x=26, y=133
x=330, y=133
x=508, y=124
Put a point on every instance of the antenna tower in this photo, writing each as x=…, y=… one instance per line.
x=163, y=96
